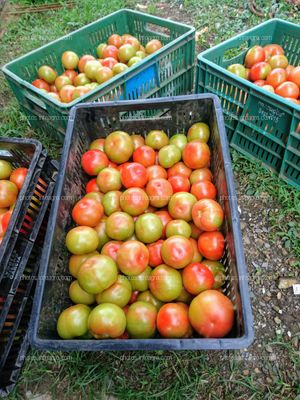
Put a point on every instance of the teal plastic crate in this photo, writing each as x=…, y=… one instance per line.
x=167, y=72
x=259, y=124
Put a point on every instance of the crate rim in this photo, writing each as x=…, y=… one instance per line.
x=177, y=344
x=123, y=75
x=201, y=58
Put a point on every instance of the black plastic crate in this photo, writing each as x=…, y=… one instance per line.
x=89, y=121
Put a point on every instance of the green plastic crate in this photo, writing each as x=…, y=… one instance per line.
x=259, y=124
x=168, y=72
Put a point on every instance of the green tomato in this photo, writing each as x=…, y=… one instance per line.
x=148, y=228
x=5, y=169
x=82, y=240
x=118, y=293
x=73, y=321
x=169, y=155
x=157, y=139
x=141, y=282
x=80, y=296
x=178, y=227
x=180, y=140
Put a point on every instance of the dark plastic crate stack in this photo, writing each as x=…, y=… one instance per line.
x=87, y=122
x=259, y=124
x=168, y=72
x=20, y=252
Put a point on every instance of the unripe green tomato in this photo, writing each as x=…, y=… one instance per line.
x=5, y=169
x=141, y=282
x=169, y=155
x=118, y=293
x=80, y=296
x=179, y=140
x=73, y=321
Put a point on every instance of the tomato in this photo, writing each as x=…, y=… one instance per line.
x=269, y=88
x=95, y=195
x=80, y=296
x=71, y=74
x=111, y=249
x=118, y=293
x=5, y=169
x=177, y=251
x=195, y=230
x=76, y=261
x=154, y=250
x=92, y=186
x=293, y=100
x=197, y=257
x=276, y=77
x=134, y=60
x=156, y=171
x=134, y=201
x=5, y=218
x=80, y=91
x=41, y=84
x=103, y=74
x=81, y=79
x=179, y=140
x=178, y=227
x=173, y=320
x=66, y=93
x=69, y=60
x=18, y=177
x=132, y=257
x=119, y=226
x=157, y=139
x=278, y=61
x=109, y=179
x=289, y=69
x=94, y=161
x=107, y=321
x=203, y=174
x=288, y=89
x=47, y=74
x=73, y=321
x=97, y=144
x=134, y=175
x=118, y=147
x=165, y=218
x=260, y=82
x=138, y=141
x=87, y=212
x=165, y=283
x=238, y=69
x=144, y=155
x=273, y=50
x=179, y=169
x=204, y=190
x=196, y=154
x=133, y=41
x=211, y=314
x=82, y=240
x=141, y=54
x=99, y=50
x=83, y=60
x=133, y=298
x=260, y=70
x=199, y=131
x=254, y=55
x=126, y=52
x=111, y=202
x=141, y=320
x=197, y=277
x=148, y=297
x=141, y=282
x=152, y=46
x=8, y=193
x=159, y=192
x=181, y=204
x=101, y=232
x=169, y=155
x=179, y=183
x=110, y=51
x=211, y=245
x=218, y=271
x=207, y=214
x=115, y=40
x=295, y=76
x=148, y=228
x=118, y=68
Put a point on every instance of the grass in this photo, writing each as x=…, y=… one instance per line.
x=152, y=375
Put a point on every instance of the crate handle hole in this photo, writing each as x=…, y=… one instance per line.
x=158, y=30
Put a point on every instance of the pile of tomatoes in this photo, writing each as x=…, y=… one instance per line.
x=11, y=182
x=87, y=72
x=269, y=68
x=145, y=252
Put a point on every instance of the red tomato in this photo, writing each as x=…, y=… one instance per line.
x=289, y=69
x=115, y=40
x=133, y=297
x=93, y=161
x=211, y=314
x=5, y=218
x=159, y=192
x=87, y=212
x=71, y=74
x=92, y=186
x=109, y=62
x=196, y=154
x=207, y=214
x=273, y=50
x=276, y=77
x=254, y=55
x=132, y=257
x=179, y=169
x=195, y=231
x=154, y=249
x=204, y=190
x=111, y=248
x=165, y=218
x=66, y=93
x=41, y=84
x=177, y=251
x=134, y=201
x=197, y=277
x=211, y=245
x=288, y=89
x=197, y=256
x=260, y=70
x=260, y=82
x=110, y=51
x=295, y=76
x=134, y=175
x=18, y=177
x=173, y=321
x=179, y=183
x=144, y=155
x=156, y=171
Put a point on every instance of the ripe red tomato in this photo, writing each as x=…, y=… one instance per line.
x=173, y=320
x=276, y=77
x=109, y=62
x=260, y=82
x=154, y=249
x=260, y=70
x=211, y=314
x=179, y=169
x=87, y=212
x=197, y=277
x=111, y=248
x=132, y=257
x=159, y=192
x=288, y=89
x=134, y=175
x=71, y=74
x=93, y=161
x=66, y=93
x=273, y=50
x=177, y=251
x=197, y=256
x=207, y=214
x=156, y=171
x=92, y=186
x=144, y=155
x=115, y=40
x=196, y=154
x=165, y=218
x=18, y=177
x=134, y=201
x=179, y=183
x=204, y=190
x=295, y=76
x=41, y=84
x=211, y=245
x=110, y=51
x=254, y=55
